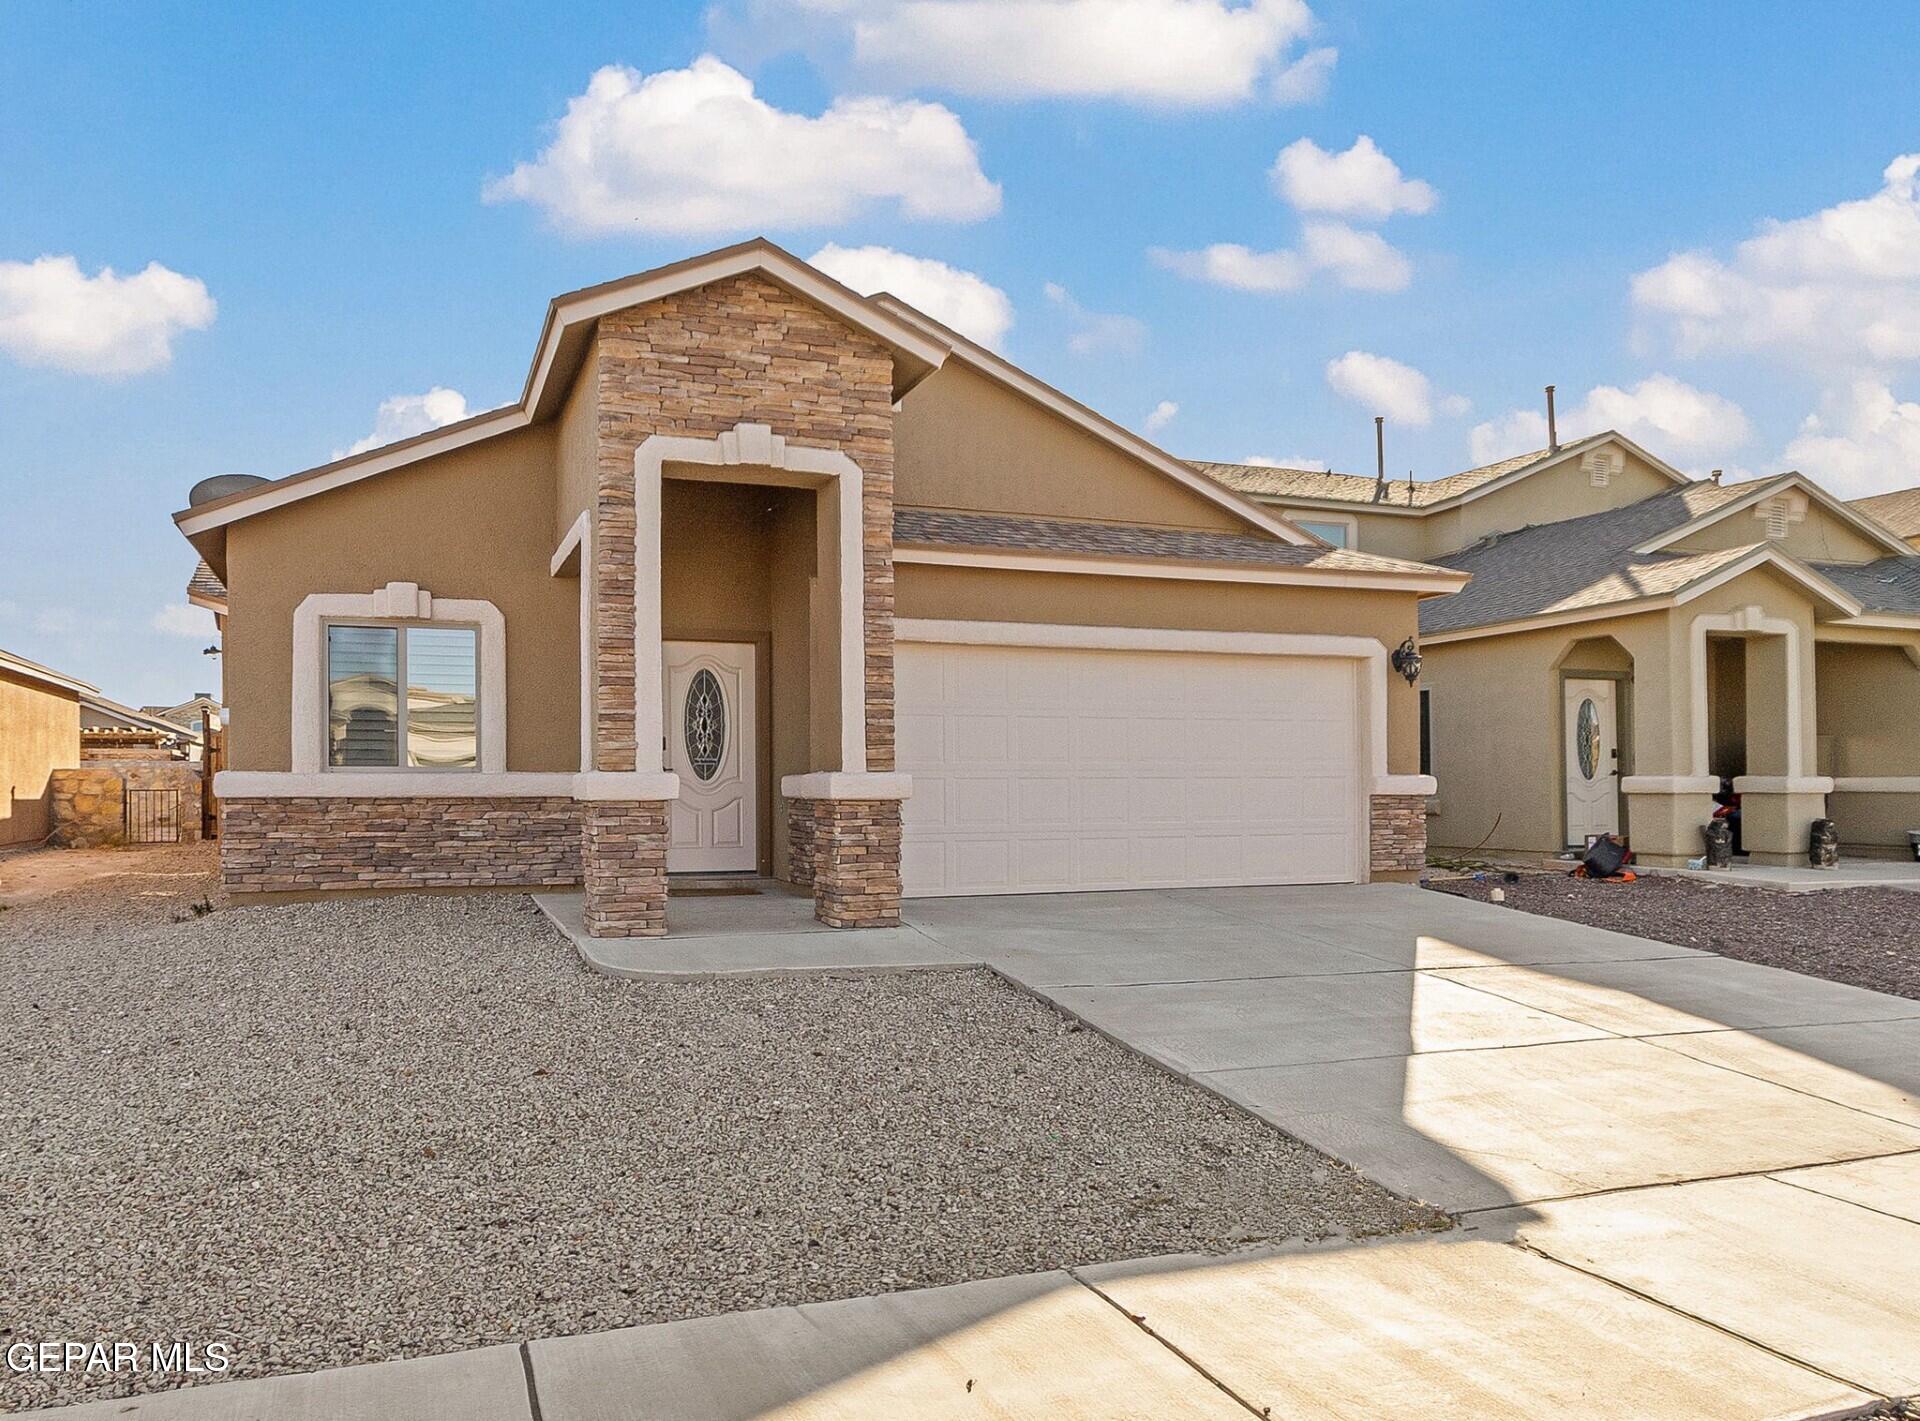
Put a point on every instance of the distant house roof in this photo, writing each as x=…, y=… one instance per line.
x=99, y=713
x=45, y=675
x=1266, y=481
x=1899, y=510
x=1593, y=562
x=204, y=587
x=915, y=527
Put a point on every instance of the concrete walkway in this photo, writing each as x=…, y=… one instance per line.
x=1689, y=1187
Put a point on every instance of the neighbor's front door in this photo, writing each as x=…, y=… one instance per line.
x=711, y=745
x=1593, y=761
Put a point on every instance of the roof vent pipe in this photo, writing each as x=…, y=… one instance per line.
x=1715, y=476
x=1553, y=430
x=1379, y=458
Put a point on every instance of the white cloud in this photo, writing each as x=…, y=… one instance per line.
x=1171, y=53
x=179, y=619
x=1305, y=81
x=696, y=150
x=53, y=314
x=1384, y=386
x=1673, y=419
x=1361, y=261
x=403, y=416
x=1863, y=440
x=1095, y=332
x=1837, y=289
x=972, y=306
x=1161, y=416
x=1361, y=182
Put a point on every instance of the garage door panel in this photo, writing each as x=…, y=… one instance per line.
x=1053, y=769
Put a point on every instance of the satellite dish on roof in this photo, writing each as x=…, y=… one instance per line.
x=222, y=486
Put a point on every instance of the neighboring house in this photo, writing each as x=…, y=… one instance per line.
x=1899, y=510
x=189, y=714
x=39, y=733
x=1631, y=637
x=111, y=731
x=754, y=560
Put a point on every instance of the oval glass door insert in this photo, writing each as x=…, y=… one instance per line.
x=1586, y=737
x=705, y=725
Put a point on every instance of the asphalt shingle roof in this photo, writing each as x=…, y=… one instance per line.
x=1899, y=510
x=1889, y=585
x=1265, y=481
x=1580, y=562
x=203, y=583
x=991, y=530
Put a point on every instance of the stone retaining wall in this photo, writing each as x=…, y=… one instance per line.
x=1397, y=833
x=89, y=804
x=304, y=845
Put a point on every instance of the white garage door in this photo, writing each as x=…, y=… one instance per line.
x=1043, y=769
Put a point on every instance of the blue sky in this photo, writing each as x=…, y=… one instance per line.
x=312, y=214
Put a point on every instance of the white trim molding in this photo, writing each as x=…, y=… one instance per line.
x=1876, y=784
x=1428, y=582
x=413, y=784
x=1365, y=650
x=1782, y=784
x=1747, y=621
x=1406, y=784
x=1670, y=784
x=576, y=550
x=396, y=602
x=745, y=451
x=831, y=784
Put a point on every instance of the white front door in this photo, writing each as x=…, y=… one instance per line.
x=1060, y=769
x=1593, y=761
x=711, y=745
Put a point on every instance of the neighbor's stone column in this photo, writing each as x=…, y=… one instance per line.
x=624, y=867
x=845, y=842
x=1397, y=835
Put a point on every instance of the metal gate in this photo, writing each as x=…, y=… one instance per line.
x=153, y=816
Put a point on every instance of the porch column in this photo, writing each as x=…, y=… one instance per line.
x=623, y=851
x=1778, y=800
x=1669, y=797
x=845, y=843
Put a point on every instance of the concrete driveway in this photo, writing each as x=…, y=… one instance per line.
x=1689, y=1187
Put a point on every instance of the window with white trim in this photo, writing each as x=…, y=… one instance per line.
x=1334, y=533
x=402, y=696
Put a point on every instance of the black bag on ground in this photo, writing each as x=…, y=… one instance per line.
x=1605, y=857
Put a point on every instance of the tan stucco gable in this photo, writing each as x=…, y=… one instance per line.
x=1818, y=527
x=1554, y=492
x=967, y=442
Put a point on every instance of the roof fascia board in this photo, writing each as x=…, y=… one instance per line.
x=1790, y=566
x=28, y=671
x=1767, y=488
x=1601, y=612
x=1428, y=584
x=566, y=313
x=1338, y=505
x=1098, y=425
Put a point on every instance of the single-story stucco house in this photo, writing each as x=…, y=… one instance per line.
x=1631, y=638
x=763, y=576
x=39, y=734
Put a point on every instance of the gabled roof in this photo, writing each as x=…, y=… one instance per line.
x=27, y=670
x=1415, y=496
x=1891, y=585
x=204, y=589
x=1899, y=510
x=1004, y=372
x=1591, y=566
x=919, y=528
x=1737, y=498
x=564, y=340
x=99, y=713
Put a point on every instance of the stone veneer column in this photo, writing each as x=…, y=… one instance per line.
x=856, y=862
x=1397, y=834
x=624, y=867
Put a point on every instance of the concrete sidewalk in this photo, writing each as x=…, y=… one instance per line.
x=1688, y=1187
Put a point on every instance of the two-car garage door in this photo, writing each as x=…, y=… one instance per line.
x=1059, y=769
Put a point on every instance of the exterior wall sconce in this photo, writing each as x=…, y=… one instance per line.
x=1406, y=660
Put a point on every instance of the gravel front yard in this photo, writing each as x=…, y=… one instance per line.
x=1868, y=937
x=336, y=1133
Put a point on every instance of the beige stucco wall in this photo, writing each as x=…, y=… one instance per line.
x=1866, y=695
x=1819, y=537
x=978, y=594
x=963, y=441
x=1550, y=496
x=1382, y=533
x=574, y=453
x=471, y=524
x=39, y=733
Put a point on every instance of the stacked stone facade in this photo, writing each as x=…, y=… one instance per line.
x=624, y=852
x=306, y=845
x=851, y=848
x=1397, y=837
